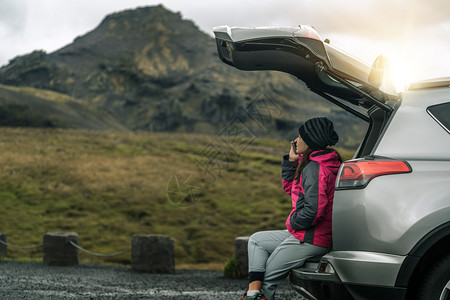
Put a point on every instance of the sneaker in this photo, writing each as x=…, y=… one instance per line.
x=259, y=296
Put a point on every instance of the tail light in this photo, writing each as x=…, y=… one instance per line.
x=356, y=174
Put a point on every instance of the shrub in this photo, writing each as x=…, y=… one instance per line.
x=231, y=269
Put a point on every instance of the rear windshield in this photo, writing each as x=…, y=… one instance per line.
x=441, y=113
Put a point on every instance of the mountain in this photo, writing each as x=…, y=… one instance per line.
x=150, y=69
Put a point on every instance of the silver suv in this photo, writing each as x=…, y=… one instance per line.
x=391, y=213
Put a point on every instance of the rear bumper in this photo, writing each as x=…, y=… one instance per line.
x=319, y=286
x=353, y=275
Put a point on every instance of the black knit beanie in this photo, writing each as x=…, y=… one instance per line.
x=318, y=133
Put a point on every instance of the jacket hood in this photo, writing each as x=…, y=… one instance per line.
x=326, y=158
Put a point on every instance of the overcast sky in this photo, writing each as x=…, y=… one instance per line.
x=413, y=34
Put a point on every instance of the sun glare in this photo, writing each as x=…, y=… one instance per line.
x=401, y=73
x=403, y=69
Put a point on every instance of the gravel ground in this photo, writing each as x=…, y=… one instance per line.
x=20, y=280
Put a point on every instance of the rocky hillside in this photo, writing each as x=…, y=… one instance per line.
x=150, y=69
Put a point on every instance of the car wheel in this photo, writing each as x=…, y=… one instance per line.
x=446, y=292
x=436, y=282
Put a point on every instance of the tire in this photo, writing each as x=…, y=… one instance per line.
x=436, y=282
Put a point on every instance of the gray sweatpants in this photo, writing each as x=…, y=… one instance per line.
x=276, y=253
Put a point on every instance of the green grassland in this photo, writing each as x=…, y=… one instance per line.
x=200, y=190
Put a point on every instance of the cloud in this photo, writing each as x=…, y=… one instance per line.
x=374, y=18
x=12, y=17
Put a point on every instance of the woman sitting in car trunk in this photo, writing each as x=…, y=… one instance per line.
x=308, y=176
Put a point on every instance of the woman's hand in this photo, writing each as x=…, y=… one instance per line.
x=293, y=156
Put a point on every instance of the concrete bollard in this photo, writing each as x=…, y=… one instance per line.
x=3, y=247
x=58, y=250
x=241, y=254
x=152, y=253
